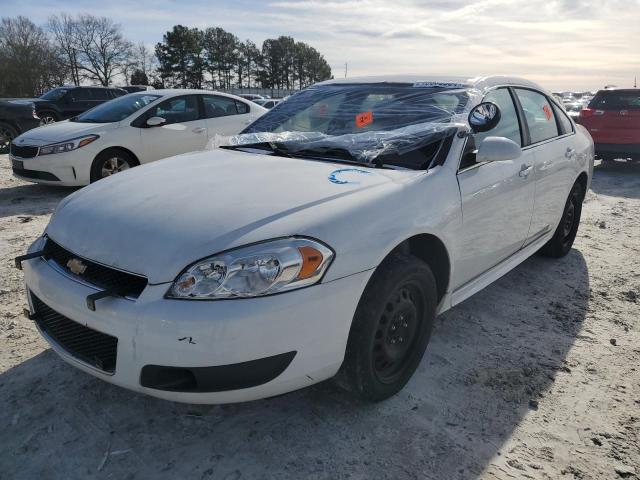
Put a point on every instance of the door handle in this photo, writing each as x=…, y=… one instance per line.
x=199, y=130
x=570, y=152
x=525, y=170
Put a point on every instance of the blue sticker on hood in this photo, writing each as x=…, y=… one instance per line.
x=342, y=175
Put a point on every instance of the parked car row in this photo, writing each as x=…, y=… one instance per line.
x=128, y=131
x=322, y=241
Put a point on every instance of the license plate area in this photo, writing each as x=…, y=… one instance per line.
x=17, y=164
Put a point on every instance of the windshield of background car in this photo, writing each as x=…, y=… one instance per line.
x=55, y=94
x=616, y=100
x=117, y=109
x=343, y=109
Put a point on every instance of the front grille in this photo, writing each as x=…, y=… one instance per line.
x=107, y=278
x=23, y=151
x=87, y=345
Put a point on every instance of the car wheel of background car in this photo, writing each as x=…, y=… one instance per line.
x=110, y=162
x=391, y=328
x=7, y=134
x=47, y=117
x=565, y=233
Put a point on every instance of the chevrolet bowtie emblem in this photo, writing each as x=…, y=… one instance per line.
x=76, y=266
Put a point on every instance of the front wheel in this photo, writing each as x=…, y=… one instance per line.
x=111, y=162
x=7, y=134
x=391, y=328
x=565, y=233
x=47, y=118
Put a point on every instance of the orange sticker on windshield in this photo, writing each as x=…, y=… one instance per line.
x=363, y=119
x=547, y=111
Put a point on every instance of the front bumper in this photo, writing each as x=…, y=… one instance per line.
x=71, y=169
x=314, y=322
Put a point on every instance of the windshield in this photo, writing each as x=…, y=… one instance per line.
x=117, y=109
x=362, y=121
x=55, y=94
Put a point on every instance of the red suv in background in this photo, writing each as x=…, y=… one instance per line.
x=613, y=120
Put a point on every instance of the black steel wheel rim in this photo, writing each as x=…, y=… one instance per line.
x=569, y=218
x=397, y=332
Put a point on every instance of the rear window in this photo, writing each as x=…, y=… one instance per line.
x=616, y=100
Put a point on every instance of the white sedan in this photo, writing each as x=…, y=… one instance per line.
x=323, y=241
x=131, y=130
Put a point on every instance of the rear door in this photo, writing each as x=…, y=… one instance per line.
x=98, y=96
x=497, y=198
x=613, y=117
x=551, y=141
x=225, y=115
x=76, y=102
x=183, y=131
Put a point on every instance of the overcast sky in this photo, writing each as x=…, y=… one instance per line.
x=564, y=45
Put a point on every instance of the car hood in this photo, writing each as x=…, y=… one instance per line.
x=61, y=131
x=157, y=219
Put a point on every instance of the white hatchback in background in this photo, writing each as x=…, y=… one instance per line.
x=128, y=131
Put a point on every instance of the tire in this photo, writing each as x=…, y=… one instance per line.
x=7, y=134
x=110, y=162
x=566, y=231
x=47, y=118
x=390, y=330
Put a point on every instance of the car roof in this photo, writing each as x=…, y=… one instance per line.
x=172, y=92
x=480, y=82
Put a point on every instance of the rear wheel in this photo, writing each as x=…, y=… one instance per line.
x=47, y=118
x=110, y=162
x=391, y=329
x=7, y=134
x=565, y=233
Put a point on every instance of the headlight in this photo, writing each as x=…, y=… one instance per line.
x=68, y=145
x=261, y=269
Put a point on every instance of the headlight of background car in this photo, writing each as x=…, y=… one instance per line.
x=67, y=145
x=261, y=269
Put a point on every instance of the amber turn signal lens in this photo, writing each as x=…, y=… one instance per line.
x=86, y=141
x=311, y=260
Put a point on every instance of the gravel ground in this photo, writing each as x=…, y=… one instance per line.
x=535, y=377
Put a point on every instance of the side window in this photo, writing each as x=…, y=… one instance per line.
x=508, y=125
x=177, y=110
x=538, y=114
x=100, y=94
x=215, y=106
x=80, y=94
x=242, y=107
x=563, y=120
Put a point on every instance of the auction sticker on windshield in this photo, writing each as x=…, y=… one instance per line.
x=363, y=119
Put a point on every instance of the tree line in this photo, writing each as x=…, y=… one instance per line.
x=89, y=49
x=193, y=58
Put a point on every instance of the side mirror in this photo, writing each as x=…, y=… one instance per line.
x=495, y=149
x=484, y=116
x=156, y=121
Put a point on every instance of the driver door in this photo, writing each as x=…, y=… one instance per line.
x=183, y=131
x=497, y=198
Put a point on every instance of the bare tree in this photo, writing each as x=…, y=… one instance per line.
x=64, y=28
x=28, y=63
x=104, y=52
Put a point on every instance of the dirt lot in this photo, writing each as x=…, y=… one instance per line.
x=538, y=376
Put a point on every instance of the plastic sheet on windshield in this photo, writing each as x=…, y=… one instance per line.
x=365, y=121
